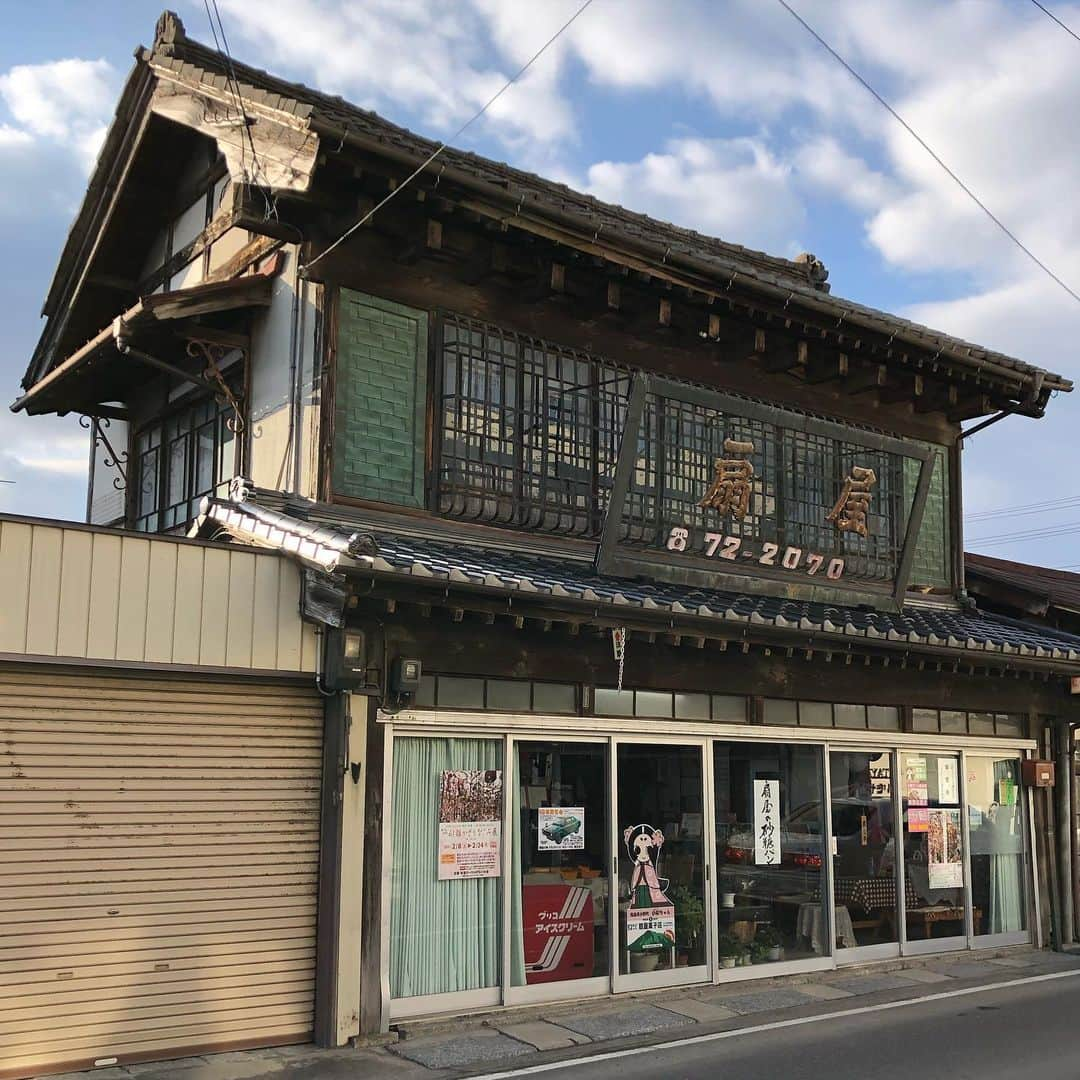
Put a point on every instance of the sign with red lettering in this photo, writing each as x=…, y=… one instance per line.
x=558, y=932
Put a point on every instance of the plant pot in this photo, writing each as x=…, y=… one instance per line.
x=744, y=960
x=728, y=961
x=641, y=962
x=776, y=952
x=727, y=899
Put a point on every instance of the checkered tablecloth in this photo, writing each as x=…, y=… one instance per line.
x=871, y=893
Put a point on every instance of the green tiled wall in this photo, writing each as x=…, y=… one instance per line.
x=931, y=565
x=380, y=401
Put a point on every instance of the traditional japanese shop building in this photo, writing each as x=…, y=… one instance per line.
x=637, y=557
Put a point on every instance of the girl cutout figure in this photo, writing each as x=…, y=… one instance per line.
x=643, y=844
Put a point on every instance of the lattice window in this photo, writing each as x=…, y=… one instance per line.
x=530, y=431
x=178, y=460
x=531, y=434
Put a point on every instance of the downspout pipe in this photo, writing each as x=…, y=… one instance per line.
x=1075, y=827
x=1063, y=739
x=285, y=481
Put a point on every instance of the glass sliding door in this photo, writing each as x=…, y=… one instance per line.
x=999, y=866
x=660, y=865
x=864, y=854
x=770, y=853
x=445, y=896
x=559, y=882
x=934, y=863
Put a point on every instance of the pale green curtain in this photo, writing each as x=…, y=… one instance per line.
x=444, y=935
x=1006, y=860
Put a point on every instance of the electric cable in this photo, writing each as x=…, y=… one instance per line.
x=1023, y=537
x=443, y=145
x=1049, y=507
x=1046, y=11
x=222, y=46
x=926, y=146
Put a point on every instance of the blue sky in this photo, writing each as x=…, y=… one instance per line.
x=722, y=115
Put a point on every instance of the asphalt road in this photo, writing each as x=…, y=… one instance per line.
x=1030, y=1031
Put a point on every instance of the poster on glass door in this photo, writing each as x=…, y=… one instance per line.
x=560, y=828
x=767, y=822
x=945, y=850
x=470, y=823
x=917, y=793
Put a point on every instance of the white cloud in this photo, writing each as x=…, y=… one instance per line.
x=421, y=55
x=60, y=98
x=58, y=113
x=735, y=188
x=11, y=137
x=823, y=164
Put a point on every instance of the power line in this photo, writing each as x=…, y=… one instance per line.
x=1046, y=11
x=926, y=146
x=443, y=145
x=1034, y=534
x=1022, y=511
x=234, y=85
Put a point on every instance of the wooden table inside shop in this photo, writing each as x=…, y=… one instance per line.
x=943, y=913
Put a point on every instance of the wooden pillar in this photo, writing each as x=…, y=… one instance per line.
x=373, y=963
x=326, y=946
x=1064, y=825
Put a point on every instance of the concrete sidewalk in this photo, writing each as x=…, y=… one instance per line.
x=505, y=1039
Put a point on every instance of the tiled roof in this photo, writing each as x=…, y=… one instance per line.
x=1060, y=588
x=197, y=64
x=339, y=548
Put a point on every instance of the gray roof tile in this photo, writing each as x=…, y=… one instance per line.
x=515, y=572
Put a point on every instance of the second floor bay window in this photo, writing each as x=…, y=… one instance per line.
x=530, y=435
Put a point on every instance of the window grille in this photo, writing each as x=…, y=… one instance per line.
x=530, y=438
x=530, y=431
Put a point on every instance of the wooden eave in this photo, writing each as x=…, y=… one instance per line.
x=719, y=280
x=98, y=372
x=114, y=162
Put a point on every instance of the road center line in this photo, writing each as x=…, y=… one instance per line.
x=799, y=1021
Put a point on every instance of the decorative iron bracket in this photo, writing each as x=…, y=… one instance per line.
x=211, y=353
x=96, y=426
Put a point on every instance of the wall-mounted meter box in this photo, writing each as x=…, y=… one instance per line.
x=1037, y=773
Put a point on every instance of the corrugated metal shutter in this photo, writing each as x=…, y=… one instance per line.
x=159, y=844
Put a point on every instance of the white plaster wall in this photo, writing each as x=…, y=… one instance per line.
x=272, y=450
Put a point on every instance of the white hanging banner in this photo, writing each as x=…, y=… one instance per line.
x=948, y=781
x=767, y=822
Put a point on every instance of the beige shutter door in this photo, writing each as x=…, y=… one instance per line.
x=159, y=844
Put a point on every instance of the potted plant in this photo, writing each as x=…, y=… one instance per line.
x=689, y=920
x=730, y=950
x=772, y=940
x=644, y=961
x=759, y=953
